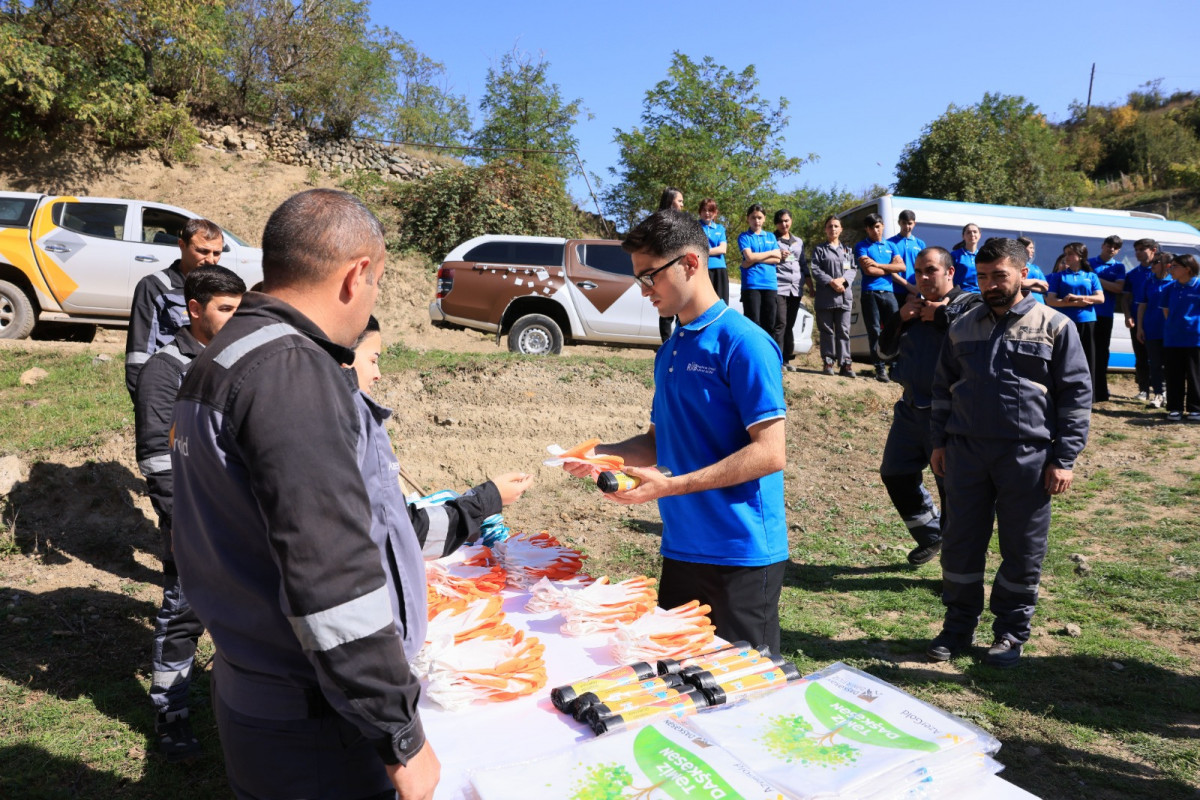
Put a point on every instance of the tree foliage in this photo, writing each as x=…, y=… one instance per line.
x=425, y=110
x=523, y=110
x=705, y=130
x=454, y=205
x=1001, y=150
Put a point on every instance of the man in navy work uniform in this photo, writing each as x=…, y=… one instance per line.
x=274, y=527
x=158, y=309
x=911, y=342
x=1011, y=406
x=212, y=295
x=717, y=424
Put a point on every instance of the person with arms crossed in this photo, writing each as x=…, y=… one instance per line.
x=1035, y=284
x=1146, y=251
x=718, y=272
x=791, y=275
x=911, y=343
x=760, y=253
x=1150, y=324
x=211, y=294
x=1076, y=292
x=833, y=273
x=878, y=261
x=277, y=537
x=1181, y=338
x=158, y=309
x=1011, y=408
x=964, y=258
x=717, y=425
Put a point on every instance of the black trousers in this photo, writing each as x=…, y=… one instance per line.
x=786, y=311
x=1103, y=334
x=1087, y=339
x=759, y=307
x=720, y=282
x=1141, y=361
x=1182, y=365
x=744, y=600
x=877, y=309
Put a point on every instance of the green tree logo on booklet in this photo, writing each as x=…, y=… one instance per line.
x=854, y=723
x=789, y=739
x=604, y=782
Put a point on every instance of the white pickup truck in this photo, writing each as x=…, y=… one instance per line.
x=78, y=259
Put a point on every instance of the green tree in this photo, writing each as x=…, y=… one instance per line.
x=523, y=110
x=1001, y=150
x=706, y=130
x=425, y=110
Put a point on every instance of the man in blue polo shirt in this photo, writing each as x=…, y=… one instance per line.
x=1146, y=251
x=907, y=247
x=1111, y=271
x=878, y=261
x=717, y=427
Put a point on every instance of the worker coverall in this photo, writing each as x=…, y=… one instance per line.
x=176, y=628
x=283, y=555
x=912, y=348
x=157, y=313
x=1011, y=396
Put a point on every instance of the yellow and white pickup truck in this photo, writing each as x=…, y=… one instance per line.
x=78, y=259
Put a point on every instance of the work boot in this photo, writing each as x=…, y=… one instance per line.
x=828, y=368
x=175, y=738
x=881, y=374
x=1003, y=653
x=846, y=371
x=924, y=553
x=946, y=646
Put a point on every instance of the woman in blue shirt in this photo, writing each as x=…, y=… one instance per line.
x=718, y=273
x=760, y=254
x=1181, y=338
x=1035, y=284
x=1150, y=323
x=964, y=258
x=1074, y=291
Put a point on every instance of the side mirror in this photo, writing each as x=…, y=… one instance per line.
x=225, y=249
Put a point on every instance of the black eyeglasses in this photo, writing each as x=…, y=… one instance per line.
x=647, y=278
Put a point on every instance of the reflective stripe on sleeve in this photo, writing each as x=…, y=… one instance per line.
x=230, y=355
x=155, y=464
x=136, y=358
x=439, y=529
x=348, y=622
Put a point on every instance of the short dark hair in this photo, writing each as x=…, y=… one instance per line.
x=667, y=233
x=667, y=199
x=1114, y=241
x=1025, y=241
x=942, y=254
x=314, y=231
x=206, y=228
x=872, y=220
x=907, y=216
x=999, y=248
x=756, y=207
x=780, y=214
x=1188, y=262
x=1145, y=244
x=372, y=327
x=203, y=283
x=1079, y=249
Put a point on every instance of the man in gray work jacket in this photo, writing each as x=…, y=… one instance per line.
x=1012, y=400
x=313, y=694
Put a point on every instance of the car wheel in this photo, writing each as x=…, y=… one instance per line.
x=16, y=312
x=535, y=335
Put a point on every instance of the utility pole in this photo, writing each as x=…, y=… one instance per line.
x=1091, y=80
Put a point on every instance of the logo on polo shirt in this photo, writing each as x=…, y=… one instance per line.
x=701, y=368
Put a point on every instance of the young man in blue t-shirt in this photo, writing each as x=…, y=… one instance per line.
x=878, y=261
x=1146, y=251
x=717, y=432
x=907, y=247
x=1111, y=272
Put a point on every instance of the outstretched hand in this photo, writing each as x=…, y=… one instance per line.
x=512, y=485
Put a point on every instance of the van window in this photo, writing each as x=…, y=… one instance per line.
x=542, y=254
x=102, y=220
x=162, y=227
x=606, y=258
x=16, y=211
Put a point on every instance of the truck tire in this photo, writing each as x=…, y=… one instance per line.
x=535, y=335
x=16, y=312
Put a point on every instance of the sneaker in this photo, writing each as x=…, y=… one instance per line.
x=1193, y=416
x=924, y=554
x=828, y=369
x=1156, y=401
x=175, y=738
x=881, y=375
x=1142, y=396
x=1003, y=653
x=946, y=646
x=1174, y=416
x=846, y=371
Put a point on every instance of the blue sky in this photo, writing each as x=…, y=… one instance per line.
x=862, y=78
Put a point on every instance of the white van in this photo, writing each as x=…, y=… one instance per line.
x=940, y=222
